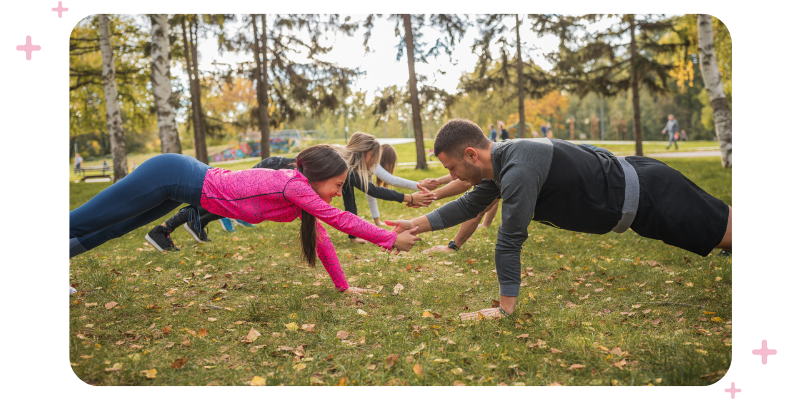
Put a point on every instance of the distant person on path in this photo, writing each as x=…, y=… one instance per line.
x=544, y=130
x=492, y=133
x=569, y=187
x=672, y=130
x=683, y=135
x=78, y=163
x=549, y=130
x=504, y=135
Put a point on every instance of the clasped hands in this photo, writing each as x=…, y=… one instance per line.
x=405, y=235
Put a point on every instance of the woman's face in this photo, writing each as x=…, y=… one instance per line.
x=329, y=188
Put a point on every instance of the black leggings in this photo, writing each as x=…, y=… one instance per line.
x=183, y=217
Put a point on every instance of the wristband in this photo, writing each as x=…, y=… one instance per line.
x=412, y=199
x=505, y=314
x=452, y=245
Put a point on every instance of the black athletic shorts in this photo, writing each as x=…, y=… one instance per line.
x=675, y=210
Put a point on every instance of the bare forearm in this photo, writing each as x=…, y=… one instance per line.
x=453, y=188
x=422, y=224
x=466, y=230
x=445, y=179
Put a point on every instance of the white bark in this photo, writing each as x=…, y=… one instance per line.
x=716, y=95
x=162, y=86
x=113, y=118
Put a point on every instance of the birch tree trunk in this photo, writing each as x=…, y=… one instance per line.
x=113, y=118
x=520, y=84
x=637, y=116
x=412, y=89
x=262, y=95
x=716, y=95
x=198, y=122
x=162, y=85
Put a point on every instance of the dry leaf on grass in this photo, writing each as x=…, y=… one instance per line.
x=576, y=366
x=251, y=336
x=291, y=326
x=342, y=334
x=178, y=363
x=149, y=373
x=110, y=305
x=258, y=381
x=391, y=361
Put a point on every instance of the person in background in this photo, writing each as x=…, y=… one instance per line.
x=78, y=163
x=544, y=130
x=672, y=130
x=683, y=135
x=549, y=128
x=492, y=133
x=504, y=135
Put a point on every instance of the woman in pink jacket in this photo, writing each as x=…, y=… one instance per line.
x=166, y=181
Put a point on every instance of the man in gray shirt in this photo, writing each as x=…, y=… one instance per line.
x=568, y=187
x=671, y=129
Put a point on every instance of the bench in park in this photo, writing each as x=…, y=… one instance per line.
x=101, y=169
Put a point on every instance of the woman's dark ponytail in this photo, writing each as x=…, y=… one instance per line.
x=316, y=163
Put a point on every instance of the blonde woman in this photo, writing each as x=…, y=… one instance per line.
x=362, y=154
x=384, y=176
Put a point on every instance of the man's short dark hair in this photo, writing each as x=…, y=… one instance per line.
x=458, y=134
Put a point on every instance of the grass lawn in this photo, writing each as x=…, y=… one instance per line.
x=594, y=309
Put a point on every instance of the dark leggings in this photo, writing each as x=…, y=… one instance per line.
x=182, y=218
x=151, y=191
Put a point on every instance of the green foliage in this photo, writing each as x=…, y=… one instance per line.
x=87, y=105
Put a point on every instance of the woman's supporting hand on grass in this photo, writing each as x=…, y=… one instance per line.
x=492, y=313
x=355, y=290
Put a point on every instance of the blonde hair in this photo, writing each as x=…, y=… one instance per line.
x=500, y=125
x=359, y=145
x=388, y=162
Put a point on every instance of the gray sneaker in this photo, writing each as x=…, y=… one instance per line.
x=72, y=291
x=201, y=236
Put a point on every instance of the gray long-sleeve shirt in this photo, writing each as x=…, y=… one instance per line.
x=520, y=169
x=566, y=186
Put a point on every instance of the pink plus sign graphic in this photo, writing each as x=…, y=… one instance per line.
x=60, y=9
x=28, y=48
x=733, y=390
x=764, y=352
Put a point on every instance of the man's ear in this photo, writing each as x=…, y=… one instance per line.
x=471, y=154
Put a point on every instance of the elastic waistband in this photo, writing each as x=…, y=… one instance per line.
x=631, y=203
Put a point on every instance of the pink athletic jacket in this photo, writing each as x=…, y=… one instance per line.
x=258, y=194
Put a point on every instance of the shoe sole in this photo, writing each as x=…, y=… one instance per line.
x=152, y=242
x=191, y=232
